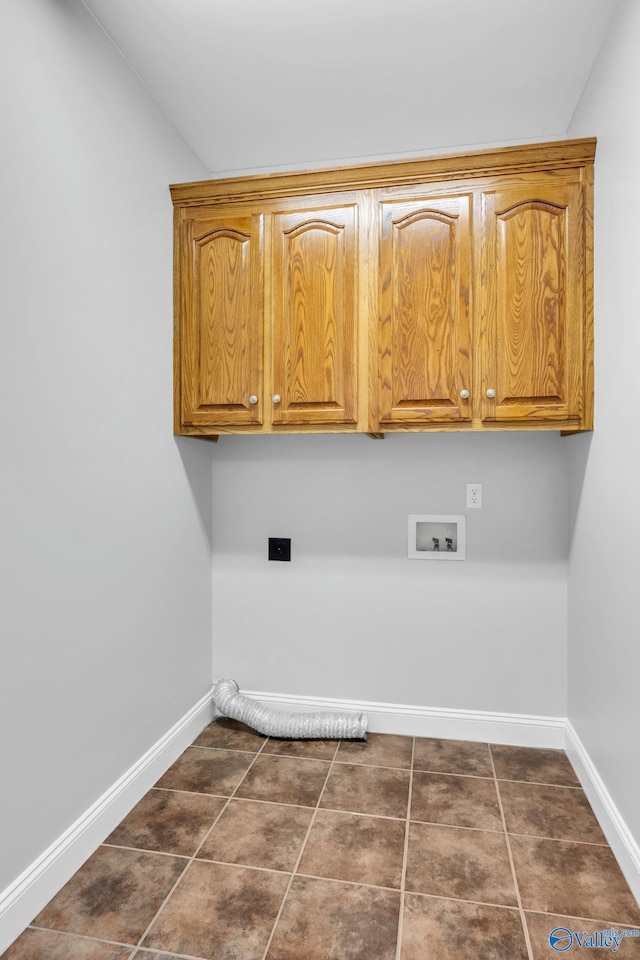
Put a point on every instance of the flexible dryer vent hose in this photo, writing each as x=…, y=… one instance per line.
x=278, y=723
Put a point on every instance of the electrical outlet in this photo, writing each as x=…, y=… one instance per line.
x=279, y=548
x=474, y=494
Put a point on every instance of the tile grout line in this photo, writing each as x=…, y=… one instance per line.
x=111, y=943
x=78, y=936
x=512, y=833
x=300, y=854
x=449, y=773
x=375, y=816
x=362, y=763
x=405, y=853
x=346, y=883
x=344, y=763
x=542, y=783
x=538, y=836
x=281, y=803
x=541, y=913
x=458, y=826
x=192, y=858
x=523, y=920
x=166, y=956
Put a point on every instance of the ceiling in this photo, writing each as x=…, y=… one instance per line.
x=261, y=84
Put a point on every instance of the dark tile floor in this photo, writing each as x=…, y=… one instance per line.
x=399, y=848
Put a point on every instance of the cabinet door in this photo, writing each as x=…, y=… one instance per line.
x=425, y=272
x=532, y=329
x=314, y=323
x=221, y=348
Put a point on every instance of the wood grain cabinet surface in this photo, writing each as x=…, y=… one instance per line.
x=426, y=249
x=313, y=318
x=448, y=293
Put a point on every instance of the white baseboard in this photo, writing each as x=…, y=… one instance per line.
x=624, y=847
x=479, y=725
x=32, y=890
x=516, y=729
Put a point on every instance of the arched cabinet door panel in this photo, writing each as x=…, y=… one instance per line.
x=314, y=321
x=424, y=309
x=221, y=350
x=532, y=326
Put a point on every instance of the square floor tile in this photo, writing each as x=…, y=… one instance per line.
x=572, y=879
x=539, y=810
x=452, y=756
x=227, y=734
x=50, y=945
x=285, y=780
x=249, y=802
x=533, y=765
x=453, y=862
x=258, y=835
x=358, y=788
x=379, y=749
x=456, y=930
x=543, y=925
x=114, y=895
x=219, y=912
x=347, y=846
x=202, y=770
x=313, y=749
x=168, y=821
x=459, y=801
x=324, y=920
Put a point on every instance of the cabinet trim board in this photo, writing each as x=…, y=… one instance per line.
x=476, y=163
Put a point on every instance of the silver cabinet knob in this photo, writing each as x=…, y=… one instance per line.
x=276, y=398
x=491, y=393
x=464, y=394
x=253, y=398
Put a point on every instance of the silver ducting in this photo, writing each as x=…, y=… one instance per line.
x=279, y=723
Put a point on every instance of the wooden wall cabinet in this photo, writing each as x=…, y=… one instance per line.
x=450, y=293
x=267, y=320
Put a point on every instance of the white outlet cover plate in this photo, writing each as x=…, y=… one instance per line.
x=474, y=495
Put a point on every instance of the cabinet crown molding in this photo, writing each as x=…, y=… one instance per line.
x=474, y=163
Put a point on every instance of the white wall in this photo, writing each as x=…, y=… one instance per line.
x=604, y=565
x=351, y=617
x=106, y=618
